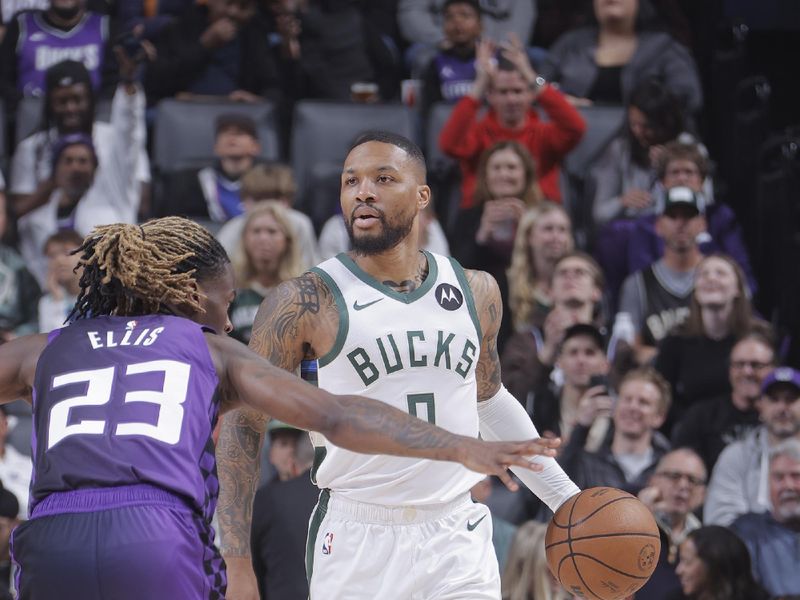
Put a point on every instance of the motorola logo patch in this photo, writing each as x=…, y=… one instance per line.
x=449, y=297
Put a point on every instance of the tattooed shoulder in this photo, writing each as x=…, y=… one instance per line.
x=294, y=320
x=488, y=302
x=489, y=306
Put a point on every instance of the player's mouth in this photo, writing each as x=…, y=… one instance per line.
x=365, y=217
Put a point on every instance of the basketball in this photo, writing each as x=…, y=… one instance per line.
x=602, y=544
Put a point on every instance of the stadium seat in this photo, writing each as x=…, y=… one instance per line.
x=321, y=135
x=183, y=134
x=3, y=152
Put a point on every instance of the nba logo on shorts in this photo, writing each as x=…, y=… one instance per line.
x=327, y=543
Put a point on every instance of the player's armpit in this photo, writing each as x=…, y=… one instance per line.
x=296, y=316
x=489, y=306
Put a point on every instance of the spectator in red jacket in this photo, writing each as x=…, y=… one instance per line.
x=510, y=86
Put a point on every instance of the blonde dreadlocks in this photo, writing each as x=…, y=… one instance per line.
x=139, y=270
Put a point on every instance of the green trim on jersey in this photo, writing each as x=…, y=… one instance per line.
x=344, y=319
x=313, y=531
x=320, y=452
x=433, y=273
x=462, y=279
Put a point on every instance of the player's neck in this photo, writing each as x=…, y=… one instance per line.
x=402, y=268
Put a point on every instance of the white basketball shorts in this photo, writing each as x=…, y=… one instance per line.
x=359, y=551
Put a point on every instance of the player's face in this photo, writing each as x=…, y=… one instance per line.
x=505, y=174
x=462, y=25
x=638, y=409
x=580, y=358
x=751, y=362
x=573, y=281
x=381, y=194
x=551, y=236
x=691, y=570
x=716, y=282
x=70, y=106
x=265, y=242
x=218, y=293
x=680, y=477
x=681, y=172
x=784, y=488
x=510, y=97
x=779, y=410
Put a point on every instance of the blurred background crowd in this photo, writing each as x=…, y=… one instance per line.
x=626, y=169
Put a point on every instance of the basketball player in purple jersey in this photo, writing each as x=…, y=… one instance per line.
x=125, y=400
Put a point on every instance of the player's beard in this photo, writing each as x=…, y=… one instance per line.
x=391, y=234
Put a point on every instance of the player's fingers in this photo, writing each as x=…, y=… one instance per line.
x=503, y=475
x=525, y=463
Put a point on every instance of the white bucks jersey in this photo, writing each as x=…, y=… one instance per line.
x=417, y=352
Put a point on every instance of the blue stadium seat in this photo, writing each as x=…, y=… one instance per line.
x=183, y=134
x=321, y=135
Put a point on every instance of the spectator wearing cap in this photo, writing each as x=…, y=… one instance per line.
x=84, y=195
x=773, y=538
x=69, y=107
x=657, y=297
x=686, y=165
x=740, y=479
x=581, y=362
x=629, y=457
x=217, y=48
x=15, y=470
x=35, y=40
x=214, y=192
x=713, y=423
x=281, y=510
x=693, y=357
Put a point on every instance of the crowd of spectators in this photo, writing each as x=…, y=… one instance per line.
x=633, y=336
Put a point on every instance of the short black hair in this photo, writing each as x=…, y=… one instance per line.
x=585, y=330
x=395, y=139
x=474, y=4
x=237, y=121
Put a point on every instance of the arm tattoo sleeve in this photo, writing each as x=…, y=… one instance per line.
x=276, y=336
x=490, y=313
x=238, y=454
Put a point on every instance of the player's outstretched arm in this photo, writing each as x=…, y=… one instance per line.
x=18, y=360
x=501, y=416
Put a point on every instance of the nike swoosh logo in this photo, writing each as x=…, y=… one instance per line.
x=471, y=526
x=357, y=306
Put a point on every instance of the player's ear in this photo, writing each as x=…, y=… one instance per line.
x=423, y=197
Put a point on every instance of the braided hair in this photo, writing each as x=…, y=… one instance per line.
x=144, y=269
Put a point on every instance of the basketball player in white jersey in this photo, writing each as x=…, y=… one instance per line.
x=414, y=330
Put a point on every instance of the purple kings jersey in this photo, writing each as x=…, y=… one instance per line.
x=456, y=75
x=126, y=400
x=40, y=46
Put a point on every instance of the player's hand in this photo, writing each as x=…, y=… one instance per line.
x=241, y=579
x=494, y=458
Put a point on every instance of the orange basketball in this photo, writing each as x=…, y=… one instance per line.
x=602, y=544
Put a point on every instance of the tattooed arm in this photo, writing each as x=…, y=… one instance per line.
x=279, y=336
x=500, y=415
x=489, y=306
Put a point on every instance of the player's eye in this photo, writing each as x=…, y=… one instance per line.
x=385, y=178
x=350, y=181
